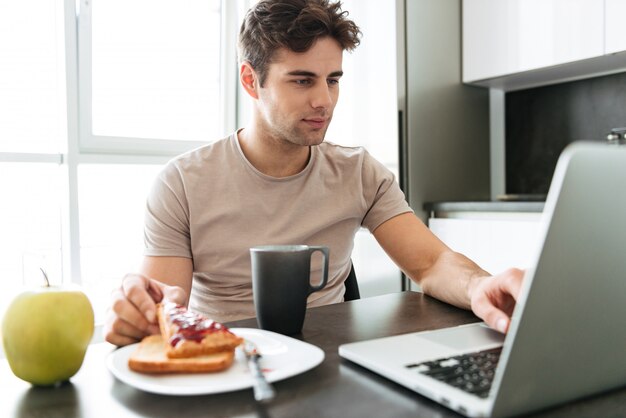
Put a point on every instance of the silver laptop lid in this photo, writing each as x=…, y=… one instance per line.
x=572, y=338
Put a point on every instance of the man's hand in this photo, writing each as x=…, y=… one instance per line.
x=132, y=314
x=493, y=298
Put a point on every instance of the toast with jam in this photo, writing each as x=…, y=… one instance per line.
x=150, y=357
x=190, y=334
x=188, y=343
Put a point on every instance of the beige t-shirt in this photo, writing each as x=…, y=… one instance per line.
x=212, y=205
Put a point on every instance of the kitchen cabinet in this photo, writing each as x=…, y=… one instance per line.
x=502, y=37
x=615, y=37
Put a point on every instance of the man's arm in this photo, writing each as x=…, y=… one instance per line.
x=447, y=275
x=132, y=314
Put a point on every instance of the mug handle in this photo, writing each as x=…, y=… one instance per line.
x=324, y=251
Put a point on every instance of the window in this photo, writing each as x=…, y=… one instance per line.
x=32, y=136
x=95, y=96
x=153, y=83
x=151, y=70
x=30, y=221
x=111, y=199
x=32, y=77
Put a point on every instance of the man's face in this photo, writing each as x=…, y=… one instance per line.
x=300, y=92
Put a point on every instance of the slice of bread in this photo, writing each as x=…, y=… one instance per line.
x=150, y=357
x=188, y=334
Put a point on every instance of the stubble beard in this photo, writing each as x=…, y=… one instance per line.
x=298, y=133
x=303, y=135
x=311, y=138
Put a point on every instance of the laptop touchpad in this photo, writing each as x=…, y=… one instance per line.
x=464, y=337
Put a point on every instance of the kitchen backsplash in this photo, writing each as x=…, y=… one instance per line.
x=541, y=121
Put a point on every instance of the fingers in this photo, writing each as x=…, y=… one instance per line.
x=510, y=281
x=154, y=289
x=492, y=316
x=124, y=323
x=174, y=294
x=132, y=315
x=118, y=340
x=139, y=291
x=119, y=332
x=485, y=309
x=494, y=298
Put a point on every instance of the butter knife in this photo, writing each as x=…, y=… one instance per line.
x=263, y=390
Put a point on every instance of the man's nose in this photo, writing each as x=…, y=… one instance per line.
x=321, y=96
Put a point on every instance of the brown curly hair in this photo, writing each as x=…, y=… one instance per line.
x=293, y=24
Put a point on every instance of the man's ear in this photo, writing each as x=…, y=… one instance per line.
x=248, y=79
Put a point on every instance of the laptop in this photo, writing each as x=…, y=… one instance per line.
x=567, y=337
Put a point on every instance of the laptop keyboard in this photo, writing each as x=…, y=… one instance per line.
x=472, y=373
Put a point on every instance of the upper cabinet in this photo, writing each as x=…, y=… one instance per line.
x=503, y=37
x=615, y=12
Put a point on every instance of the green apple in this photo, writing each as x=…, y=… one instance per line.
x=45, y=333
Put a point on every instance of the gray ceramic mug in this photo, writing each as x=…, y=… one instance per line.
x=281, y=285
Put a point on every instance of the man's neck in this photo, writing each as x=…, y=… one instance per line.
x=270, y=156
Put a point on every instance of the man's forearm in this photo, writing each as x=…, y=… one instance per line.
x=440, y=272
x=451, y=279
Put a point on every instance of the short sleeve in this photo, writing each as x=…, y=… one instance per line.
x=382, y=193
x=166, y=223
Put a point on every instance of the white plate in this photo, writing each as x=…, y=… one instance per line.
x=283, y=357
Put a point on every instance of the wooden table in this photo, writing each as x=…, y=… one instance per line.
x=335, y=388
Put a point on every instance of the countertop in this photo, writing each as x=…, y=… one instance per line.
x=485, y=206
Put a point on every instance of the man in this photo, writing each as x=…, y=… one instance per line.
x=277, y=182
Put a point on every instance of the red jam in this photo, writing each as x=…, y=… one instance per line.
x=190, y=326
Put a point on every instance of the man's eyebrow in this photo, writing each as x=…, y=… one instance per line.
x=304, y=73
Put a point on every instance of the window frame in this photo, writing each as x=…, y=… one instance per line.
x=90, y=143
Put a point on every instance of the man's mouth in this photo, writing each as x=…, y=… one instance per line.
x=316, y=123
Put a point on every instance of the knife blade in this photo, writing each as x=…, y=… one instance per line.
x=263, y=390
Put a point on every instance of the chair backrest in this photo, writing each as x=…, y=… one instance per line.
x=352, y=286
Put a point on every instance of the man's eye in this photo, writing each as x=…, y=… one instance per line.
x=333, y=82
x=304, y=82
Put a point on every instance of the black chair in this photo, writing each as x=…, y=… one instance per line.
x=352, y=287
